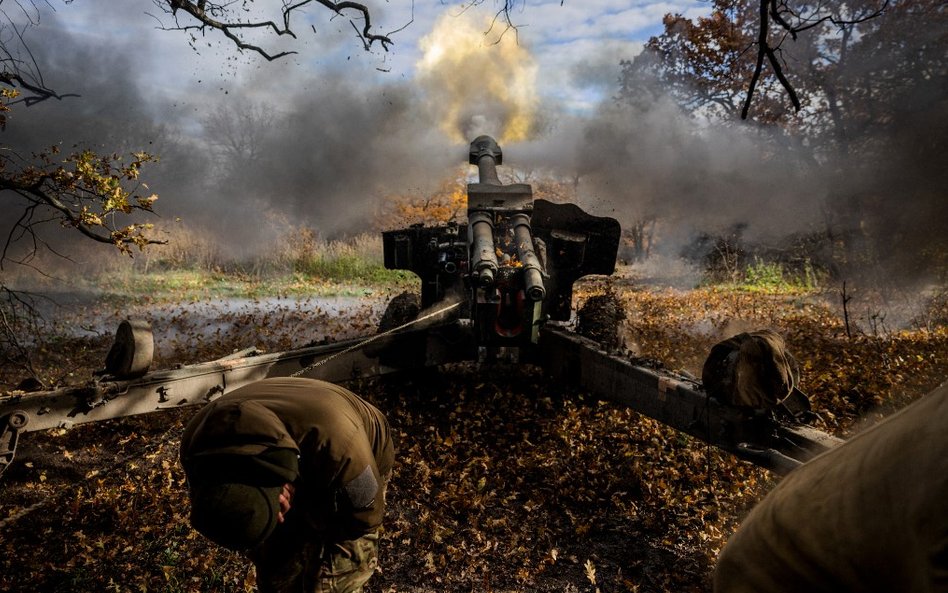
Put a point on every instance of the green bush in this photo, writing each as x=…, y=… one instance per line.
x=764, y=275
x=773, y=276
x=344, y=268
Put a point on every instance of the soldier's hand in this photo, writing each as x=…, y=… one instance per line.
x=286, y=501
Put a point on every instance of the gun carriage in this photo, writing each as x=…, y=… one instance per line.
x=498, y=289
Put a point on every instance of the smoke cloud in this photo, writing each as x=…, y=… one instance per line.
x=325, y=153
x=875, y=204
x=478, y=83
x=331, y=155
x=657, y=162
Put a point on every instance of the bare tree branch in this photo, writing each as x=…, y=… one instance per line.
x=764, y=50
x=367, y=35
x=792, y=24
x=38, y=93
x=18, y=315
x=502, y=15
x=221, y=17
x=778, y=10
x=18, y=67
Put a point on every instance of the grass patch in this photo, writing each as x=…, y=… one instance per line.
x=304, y=266
x=346, y=268
x=773, y=277
x=333, y=279
x=167, y=285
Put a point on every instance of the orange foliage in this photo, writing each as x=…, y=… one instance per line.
x=446, y=203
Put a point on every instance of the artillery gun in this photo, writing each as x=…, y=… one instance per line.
x=496, y=289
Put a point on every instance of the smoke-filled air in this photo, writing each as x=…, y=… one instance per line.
x=254, y=147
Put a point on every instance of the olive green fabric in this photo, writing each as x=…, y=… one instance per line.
x=272, y=467
x=752, y=370
x=868, y=516
x=344, y=446
x=233, y=515
x=235, y=498
x=313, y=566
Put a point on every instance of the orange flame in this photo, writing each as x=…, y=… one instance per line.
x=478, y=84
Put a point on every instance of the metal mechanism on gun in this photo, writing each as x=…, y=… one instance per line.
x=507, y=283
x=490, y=196
x=515, y=272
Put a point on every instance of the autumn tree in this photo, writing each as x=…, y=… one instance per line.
x=869, y=81
x=446, y=203
x=80, y=190
x=845, y=70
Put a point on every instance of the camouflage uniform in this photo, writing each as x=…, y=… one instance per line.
x=868, y=516
x=329, y=540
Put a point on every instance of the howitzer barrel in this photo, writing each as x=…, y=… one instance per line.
x=486, y=154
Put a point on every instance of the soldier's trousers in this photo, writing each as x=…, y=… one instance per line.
x=287, y=565
x=295, y=560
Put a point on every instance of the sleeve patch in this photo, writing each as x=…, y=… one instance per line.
x=362, y=489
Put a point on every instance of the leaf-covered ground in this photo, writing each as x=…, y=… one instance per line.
x=504, y=482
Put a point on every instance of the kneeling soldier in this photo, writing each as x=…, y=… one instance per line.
x=293, y=472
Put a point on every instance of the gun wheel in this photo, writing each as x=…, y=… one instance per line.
x=600, y=319
x=399, y=311
x=132, y=351
x=18, y=420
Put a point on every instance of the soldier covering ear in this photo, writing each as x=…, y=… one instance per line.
x=252, y=450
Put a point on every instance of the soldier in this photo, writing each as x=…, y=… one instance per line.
x=292, y=472
x=868, y=516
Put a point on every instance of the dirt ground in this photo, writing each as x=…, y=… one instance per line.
x=504, y=482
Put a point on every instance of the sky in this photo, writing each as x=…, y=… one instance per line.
x=576, y=46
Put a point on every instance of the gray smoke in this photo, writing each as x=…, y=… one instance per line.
x=658, y=162
x=331, y=155
x=879, y=192
x=332, y=148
